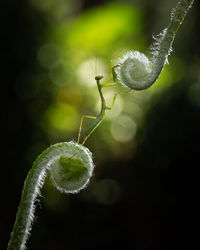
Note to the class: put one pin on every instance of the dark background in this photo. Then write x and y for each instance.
(152, 196)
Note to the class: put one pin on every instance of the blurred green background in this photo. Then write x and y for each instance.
(144, 193)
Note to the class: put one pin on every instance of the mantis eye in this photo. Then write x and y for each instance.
(99, 77)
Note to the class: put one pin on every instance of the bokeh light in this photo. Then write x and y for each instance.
(141, 189)
(123, 128)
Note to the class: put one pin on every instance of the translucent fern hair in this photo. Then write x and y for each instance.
(70, 164)
(138, 72)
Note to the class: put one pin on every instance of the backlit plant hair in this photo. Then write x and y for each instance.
(70, 164)
(135, 70)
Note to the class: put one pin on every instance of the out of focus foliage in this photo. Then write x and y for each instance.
(55, 49)
(76, 47)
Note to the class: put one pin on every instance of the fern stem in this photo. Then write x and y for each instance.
(35, 180)
(165, 44)
(135, 70)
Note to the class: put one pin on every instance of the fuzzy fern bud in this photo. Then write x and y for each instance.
(133, 70)
(70, 165)
(71, 171)
(136, 71)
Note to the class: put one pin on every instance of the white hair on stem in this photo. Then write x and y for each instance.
(70, 165)
(135, 70)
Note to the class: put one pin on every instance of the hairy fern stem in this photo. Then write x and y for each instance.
(70, 164)
(135, 70)
(71, 167)
(164, 44)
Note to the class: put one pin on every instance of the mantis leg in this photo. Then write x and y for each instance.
(105, 84)
(81, 124)
(107, 80)
(112, 73)
(93, 126)
(99, 119)
(113, 102)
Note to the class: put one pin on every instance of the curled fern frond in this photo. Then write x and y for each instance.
(71, 167)
(136, 71)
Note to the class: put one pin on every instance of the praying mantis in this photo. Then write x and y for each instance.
(69, 163)
(101, 116)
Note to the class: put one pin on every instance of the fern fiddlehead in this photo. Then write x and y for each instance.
(70, 166)
(135, 70)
